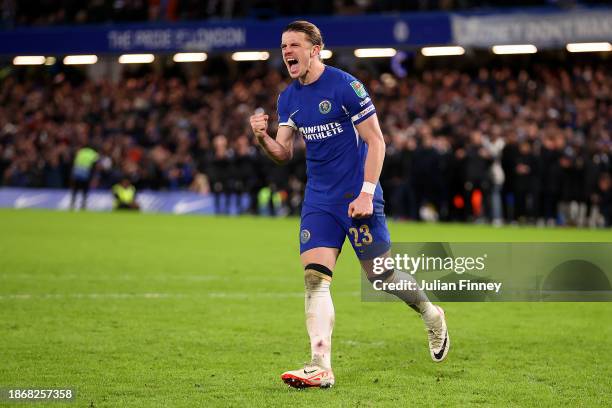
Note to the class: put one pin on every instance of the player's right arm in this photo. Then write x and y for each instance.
(279, 149)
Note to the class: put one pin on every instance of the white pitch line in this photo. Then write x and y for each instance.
(71, 277)
(45, 296)
(161, 278)
(276, 295)
(214, 295)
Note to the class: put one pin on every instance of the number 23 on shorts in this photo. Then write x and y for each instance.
(361, 235)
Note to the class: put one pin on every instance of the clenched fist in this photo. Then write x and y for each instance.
(362, 206)
(259, 124)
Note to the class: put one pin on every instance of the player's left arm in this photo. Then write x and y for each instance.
(369, 130)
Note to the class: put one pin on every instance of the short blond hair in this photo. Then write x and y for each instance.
(312, 31)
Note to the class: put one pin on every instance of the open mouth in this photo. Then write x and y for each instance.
(292, 63)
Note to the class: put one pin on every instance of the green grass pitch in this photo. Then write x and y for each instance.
(135, 310)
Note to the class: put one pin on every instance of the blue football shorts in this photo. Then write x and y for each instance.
(328, 226)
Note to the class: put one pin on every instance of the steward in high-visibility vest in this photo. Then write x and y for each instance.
(82, 172)
(125, 196)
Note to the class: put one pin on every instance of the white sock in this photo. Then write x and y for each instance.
(429, 312)
(320, 316)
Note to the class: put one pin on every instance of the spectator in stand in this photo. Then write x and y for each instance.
(494, 146)
(477, 176)
(220, 166)
(244, 176)
(426, 176)
(525, 173)
(551, 176)
(602, 198)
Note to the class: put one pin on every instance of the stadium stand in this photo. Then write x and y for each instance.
(493, 144)
(56, 12)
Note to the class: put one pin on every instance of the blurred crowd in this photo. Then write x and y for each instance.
(496, 145)
(528, 146)
(49, 12)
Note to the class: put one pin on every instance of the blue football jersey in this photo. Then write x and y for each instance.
(325, 113)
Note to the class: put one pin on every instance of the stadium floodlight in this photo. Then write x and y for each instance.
(251, 56)
(190, 57)
(29, 60)
(375, 52)
(50, 61)
(80, 59)
(514, 49)
(325, 54)
(442, 51)
(589, 47)
(136, 58)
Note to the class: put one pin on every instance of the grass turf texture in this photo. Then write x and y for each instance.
(156, 310)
